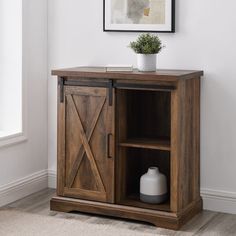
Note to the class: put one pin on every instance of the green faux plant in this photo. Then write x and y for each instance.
(147, 44)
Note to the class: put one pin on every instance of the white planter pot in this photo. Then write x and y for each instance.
(153, 187)
(146, 62)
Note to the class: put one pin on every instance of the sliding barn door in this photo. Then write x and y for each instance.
(86, 144)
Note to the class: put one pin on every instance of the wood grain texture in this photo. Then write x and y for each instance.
(87, 120)
(185, 144)
(86, 145)
(89, 132)
(176, 142)
(134, 200)
(159, 218)
(113, 127)
(100, 73)
(161, 144)
(148, 114)
(121, 134)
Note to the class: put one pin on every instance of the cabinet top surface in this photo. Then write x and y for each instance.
(100, 72)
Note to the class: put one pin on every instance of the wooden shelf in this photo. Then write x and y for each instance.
(158, 144)
(133, 200)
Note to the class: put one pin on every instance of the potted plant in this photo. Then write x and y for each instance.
(147, 46)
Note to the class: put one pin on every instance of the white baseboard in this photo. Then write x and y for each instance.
(23, 187)
(52, 179)
(221, 201)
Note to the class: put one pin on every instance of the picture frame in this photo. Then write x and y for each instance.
(139, 16)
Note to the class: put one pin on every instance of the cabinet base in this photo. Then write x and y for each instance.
(162, 219)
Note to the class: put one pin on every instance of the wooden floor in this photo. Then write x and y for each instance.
(207, 223)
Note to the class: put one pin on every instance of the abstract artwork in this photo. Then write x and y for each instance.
(139, 15)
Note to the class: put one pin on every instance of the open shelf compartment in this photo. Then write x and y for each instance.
(132, 164)
(144, 118)
(143, 141)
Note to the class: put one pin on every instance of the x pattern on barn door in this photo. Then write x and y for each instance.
(86, 120)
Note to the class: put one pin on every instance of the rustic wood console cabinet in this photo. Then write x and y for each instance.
(112, 126)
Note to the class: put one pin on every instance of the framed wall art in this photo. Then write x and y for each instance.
(139, 15)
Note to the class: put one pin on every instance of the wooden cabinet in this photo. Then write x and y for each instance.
(112, 127)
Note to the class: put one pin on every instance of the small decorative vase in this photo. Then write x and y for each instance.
(146, 62)
(153, 187)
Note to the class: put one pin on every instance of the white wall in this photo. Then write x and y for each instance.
(205, 39)
(25, 163)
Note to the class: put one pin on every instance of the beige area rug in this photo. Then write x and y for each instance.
(24, 224)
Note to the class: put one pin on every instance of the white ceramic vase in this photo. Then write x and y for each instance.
(146, 62)
(153, 187)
